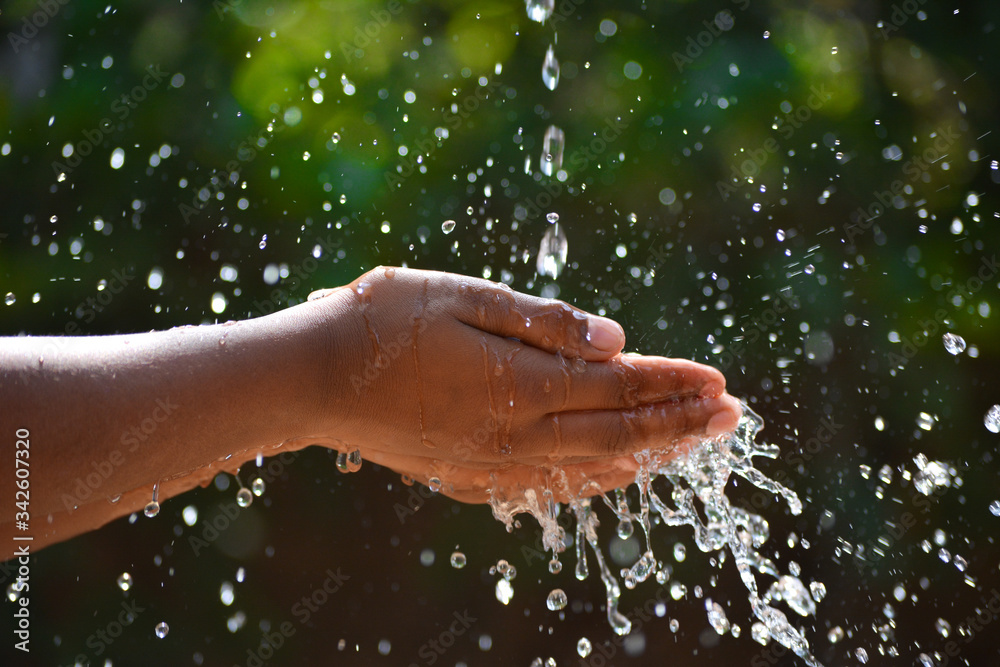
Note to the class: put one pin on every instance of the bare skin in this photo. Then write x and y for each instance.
(437, 376)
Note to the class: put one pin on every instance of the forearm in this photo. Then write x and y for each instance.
(111, 416)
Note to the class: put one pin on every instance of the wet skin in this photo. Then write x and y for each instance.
(433, 375)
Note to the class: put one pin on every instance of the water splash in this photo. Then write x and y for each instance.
(688, 488)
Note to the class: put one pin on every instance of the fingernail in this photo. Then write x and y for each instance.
(604, 334)
(721, 422)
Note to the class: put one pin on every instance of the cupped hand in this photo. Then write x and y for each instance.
(464, 382)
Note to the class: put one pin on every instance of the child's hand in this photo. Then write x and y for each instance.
(438, 375)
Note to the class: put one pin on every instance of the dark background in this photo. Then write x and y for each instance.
(696, 276)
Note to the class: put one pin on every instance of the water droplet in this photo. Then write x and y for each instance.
(504, 591)
(943, 627)
(553, 146)
(540, 10)
(925, 421)
(552, 255)
(257, 486)
(995, 508)
(992, 419)
(10, 299)
(243, 497)
(953, 343)
(263, 242)
(550, 69)
(680, 552)
(124, 581)
(162, 629)
(818, 591)
(458, 560)
(335, 138)
(354, 461)
(434, 484)
(625, 529)
(760, 634)
(557, 600)
(552, 217)
(583, 647)
(555, 566)
(152, 509)
(862, 656)
(835, 634)
(448, 226)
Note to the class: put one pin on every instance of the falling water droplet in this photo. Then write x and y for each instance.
(553, 251)
(162, 629)
(124, 581)
(263, 242)
(540, 10)
(550, 69)
(243, 497)
(557, 600)
(862, 656)
(257, 486)
(992, 419)
(335, 138)
(504, 591)
(953, 343)
(458, 560)
(434, 484)
(10, 299)
(925, 421)
(583, 647)
(995, 508)
(680, 552)
(152, 509)
(552, 217)
(555, 566)
(448, 226)
(553, 145)
(342, 462)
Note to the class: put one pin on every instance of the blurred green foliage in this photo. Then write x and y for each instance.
(376, 121)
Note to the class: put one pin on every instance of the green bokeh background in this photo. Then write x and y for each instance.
(235, 141)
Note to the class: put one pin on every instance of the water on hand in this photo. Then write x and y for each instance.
(690, 487)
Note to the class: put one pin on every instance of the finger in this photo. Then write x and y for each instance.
(605, 433)
(628, 381)
(547, 324)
